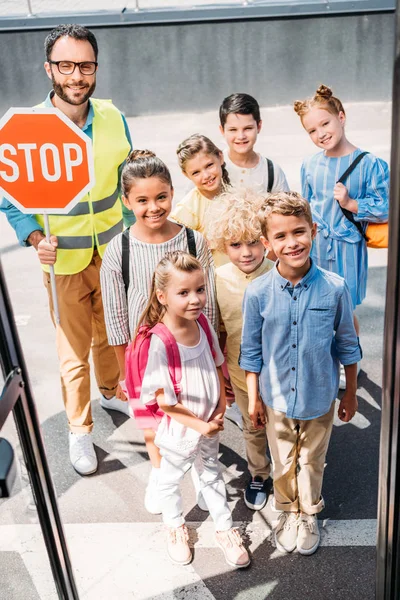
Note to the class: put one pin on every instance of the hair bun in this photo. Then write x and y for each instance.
(324, 92)
(138, 154)
(299, 106)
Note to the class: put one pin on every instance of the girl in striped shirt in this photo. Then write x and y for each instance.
(147, 191)
(339, 246)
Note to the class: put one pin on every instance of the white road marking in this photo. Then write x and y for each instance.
(117, 560)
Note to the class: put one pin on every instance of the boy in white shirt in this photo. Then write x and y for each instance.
(241, 123)
(236, 231)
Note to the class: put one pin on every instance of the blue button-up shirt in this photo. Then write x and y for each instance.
(296, 340)
(25, 224)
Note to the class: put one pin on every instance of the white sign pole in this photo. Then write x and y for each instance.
(52, 274)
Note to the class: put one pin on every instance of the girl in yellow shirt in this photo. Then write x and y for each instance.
(203, 163)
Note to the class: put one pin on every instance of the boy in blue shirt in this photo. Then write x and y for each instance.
(297, 327)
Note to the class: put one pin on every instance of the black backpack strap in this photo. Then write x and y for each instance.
(271, 175)
(347, 213)
(125, 259)
(191, 242)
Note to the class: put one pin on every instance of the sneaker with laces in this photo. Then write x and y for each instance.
(82, 453)
(178, 546)
(257, 492)
(115, 403)
(308, 537)
(233, 414)
(151, 497)
(231, 544)
(286, 531)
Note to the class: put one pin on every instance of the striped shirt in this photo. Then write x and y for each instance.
(121, 312)
(339, 246)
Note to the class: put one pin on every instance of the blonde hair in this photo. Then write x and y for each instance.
(196, 143)
(235, 219)
(143, 164)
(178, 260)
(323, 98)
(287, 204)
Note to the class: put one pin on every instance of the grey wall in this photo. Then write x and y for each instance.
(189, 67)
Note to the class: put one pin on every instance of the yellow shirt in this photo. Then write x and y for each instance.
(231, 284)
(195, 211)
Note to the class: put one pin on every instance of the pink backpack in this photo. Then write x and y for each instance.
(137, 354)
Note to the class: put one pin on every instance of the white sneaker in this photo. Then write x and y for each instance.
(342, 376)
(233, 414)
(82, 453)
(115, 403)
(151, 497)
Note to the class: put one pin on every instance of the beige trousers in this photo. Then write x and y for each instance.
(298, 449)
(82, 328)
(255, 439)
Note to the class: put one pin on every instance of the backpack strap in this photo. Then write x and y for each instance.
(271, 175)
(347, 213)
(191, 242)
(173, 356)
(202, 320)
(125, 259)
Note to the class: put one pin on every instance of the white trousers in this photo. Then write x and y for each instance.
(212, 486)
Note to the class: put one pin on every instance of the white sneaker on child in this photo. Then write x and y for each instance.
(286, 531)
(233, 414)
(178, 545)
(151, 497)
(308, 537)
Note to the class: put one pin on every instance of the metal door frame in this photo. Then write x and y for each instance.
(17, 397)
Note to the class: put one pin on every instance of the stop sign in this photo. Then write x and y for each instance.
(46, 161)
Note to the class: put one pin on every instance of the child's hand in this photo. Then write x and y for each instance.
(214, 427)
(257, 414)
(340, 194)
(348, 407)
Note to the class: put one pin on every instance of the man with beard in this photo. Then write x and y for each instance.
(79, 239)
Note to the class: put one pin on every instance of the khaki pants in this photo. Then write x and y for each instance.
(82, 327)
(298, 449)
(255, 439)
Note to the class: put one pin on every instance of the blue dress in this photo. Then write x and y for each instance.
(338, 246)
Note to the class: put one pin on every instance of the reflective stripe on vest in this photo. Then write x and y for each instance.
(82, 208)
(97, 218)
(82, 242)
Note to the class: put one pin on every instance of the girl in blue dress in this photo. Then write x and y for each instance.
(339, 246)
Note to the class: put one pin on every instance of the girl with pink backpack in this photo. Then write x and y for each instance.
(127, 269)
(194, 411)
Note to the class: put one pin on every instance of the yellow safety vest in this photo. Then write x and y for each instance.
(97, 217)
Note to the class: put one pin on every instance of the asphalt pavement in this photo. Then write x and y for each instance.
(117, 548)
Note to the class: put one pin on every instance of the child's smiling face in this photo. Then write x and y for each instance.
(205, 170)
(325, 129)
(240, 132)
(246, 256)
(150, 200)
(290, 238)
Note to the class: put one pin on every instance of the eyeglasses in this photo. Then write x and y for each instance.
(67, 67)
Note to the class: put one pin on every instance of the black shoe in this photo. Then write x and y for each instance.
(256, 493)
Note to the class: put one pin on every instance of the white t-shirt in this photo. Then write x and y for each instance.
(255, 178)
(199, 385)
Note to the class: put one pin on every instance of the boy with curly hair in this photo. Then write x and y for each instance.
(236, 231)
